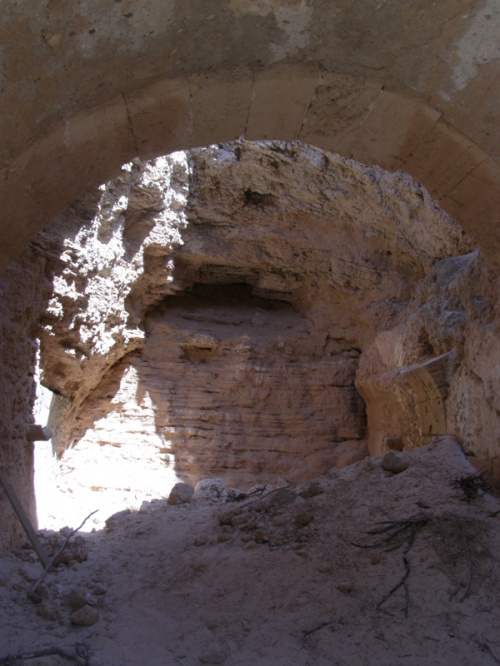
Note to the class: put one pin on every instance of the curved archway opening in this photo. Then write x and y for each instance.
(355, 117)
(278, 263)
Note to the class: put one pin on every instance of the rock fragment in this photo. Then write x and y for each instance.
(211, 489)
(393, 462)
(77, 597)
(368, 465)
(303, 519)
(181, 493)
(49, 610)
(116, 517)
(85, 616)
(313, 489)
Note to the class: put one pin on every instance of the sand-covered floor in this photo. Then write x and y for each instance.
(299, 575)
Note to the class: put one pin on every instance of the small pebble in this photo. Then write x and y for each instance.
(77, 597)
(85, 616)
(368, 465)
(260, 536)
(345, 586)
(393, 462)
(303, 519)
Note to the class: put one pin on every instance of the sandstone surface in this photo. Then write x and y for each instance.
(434, 373)
(206, 312)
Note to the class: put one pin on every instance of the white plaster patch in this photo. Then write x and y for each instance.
(480, 44)
(119, 19)
(293, 21)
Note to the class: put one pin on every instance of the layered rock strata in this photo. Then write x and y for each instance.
(209, 309)
(436, 373)
(235, 386)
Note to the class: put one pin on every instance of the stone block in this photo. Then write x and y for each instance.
(442, 158)
(160, 117)
(220, 104)
(280, 101)
(340, 106)
(80, 154)
(392, 129)
(475, 204)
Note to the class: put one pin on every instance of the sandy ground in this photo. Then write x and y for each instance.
(296, 576)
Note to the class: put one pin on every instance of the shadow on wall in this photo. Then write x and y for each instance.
(231, 385)
(25, 290)
(270, 225)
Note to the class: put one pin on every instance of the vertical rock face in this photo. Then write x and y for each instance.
(435, 373)
(24, 290)
(240, 387)
(207, 311)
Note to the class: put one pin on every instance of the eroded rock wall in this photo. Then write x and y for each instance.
(24, 292)
(437, 372)
(333, 249)
(235, 386)
(209, 310)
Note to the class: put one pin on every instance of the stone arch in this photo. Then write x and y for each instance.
(356, 117)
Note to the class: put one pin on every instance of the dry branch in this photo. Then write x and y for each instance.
(402, 582)
(393, 529)
(47, 652)
(58, 552)
(469, 564)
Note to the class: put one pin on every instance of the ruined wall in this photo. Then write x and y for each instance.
(211, 309)
(436, 372)
(24, 291)
(407, 85)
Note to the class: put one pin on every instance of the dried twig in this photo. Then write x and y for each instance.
(486, 648)
(469, 564)
(13, 658)
(473, 485)
(394, 528)
(402, 582)
(306, 634)
(58, 552)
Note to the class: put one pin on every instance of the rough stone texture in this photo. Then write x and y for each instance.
(24, 293)
(290, 260)
(181, 493)
(208, 316)
(85, 91)
(435, 373)
(233, 385)
(100, 255)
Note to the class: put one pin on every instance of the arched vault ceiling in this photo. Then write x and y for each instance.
(410, 85)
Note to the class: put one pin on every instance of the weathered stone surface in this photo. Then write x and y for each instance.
(434, 374)
(210, 489)
(393, 462)
(279, 273)
(266, 267)
(85, 616)
(181, 493)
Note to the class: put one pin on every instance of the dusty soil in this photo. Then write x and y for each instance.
(300, 575)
